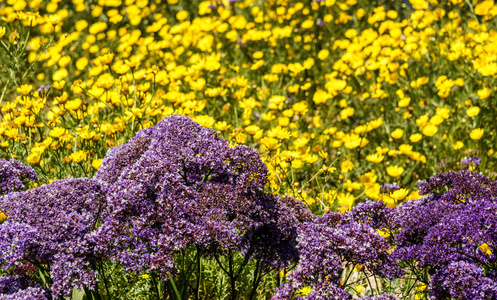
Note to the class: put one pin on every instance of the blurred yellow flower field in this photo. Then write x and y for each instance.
(338, 96)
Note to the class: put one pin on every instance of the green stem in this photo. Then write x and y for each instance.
(175, 289)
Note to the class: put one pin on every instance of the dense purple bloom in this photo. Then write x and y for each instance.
(464, 281)
(327, 246)
(178, 184)
(30, 293)
(373, 213)
(11, 284)
(445, 230)
(14, 175)
(17, 288)
(54, 225)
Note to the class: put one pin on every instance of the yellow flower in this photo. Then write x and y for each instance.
(320, 96)
(258, 54)
(347, 166)
(413, 195)
(484, 93)
(96, 163)
(25, 89)
(415, 137)
(385, 233)
(13, 36)
(351, 141)
(399, 194)
(375, 157)
(106, 59)
(2, 31)
(484, 7)
(430, 130)
(404, 102)
(345, 201)
(346, 112)
(53, 19)
(485, 248)
(359, 289)
(145, 276)
(405, 149)
(307, 24)
(3, 217)
(222, 125)
(473, 111)
(323, 54)
(476, 134)
(458, 145)
(57, 132)
(34, 158)
(74, 104)
(78, 156)
(181, 15)
(397, 133)
(269, 143)
(395, 171)
(304, 291)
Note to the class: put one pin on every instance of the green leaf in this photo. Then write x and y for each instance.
(78, 294)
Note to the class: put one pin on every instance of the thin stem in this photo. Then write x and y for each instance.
(199, 274)
(105, 282)
(257, 279)
(156, 287)
(175, 289)
(231, 275)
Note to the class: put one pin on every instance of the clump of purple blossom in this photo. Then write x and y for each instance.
(380, 297)
(389, 187)
(53, 226)
(332, 244)
(14, 287)
(14, 175)
(462, 280)
(450, 232)
(178, 184)
(470, 161)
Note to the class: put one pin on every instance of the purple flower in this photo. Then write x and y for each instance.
(464, 281)
(54, 225)
(178, 185)
(380, 297)
(30, 293)
(43, 90)
(389, 187)
(14, 175)
(475, 161)
(445, 230)
(327, 246)
(14, 287)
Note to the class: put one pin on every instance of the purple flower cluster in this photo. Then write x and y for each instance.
(178, 184)
(389, 187)
(18, 288)
(330, 244)
(14, 175)
(467, 161)
(451, 233)
(53, 226)
(380, 297)
(462, 280)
